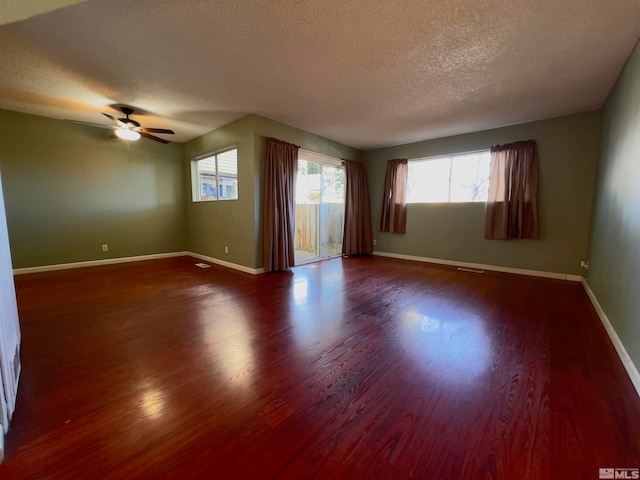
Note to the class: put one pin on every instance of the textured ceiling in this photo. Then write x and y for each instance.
(364, 73)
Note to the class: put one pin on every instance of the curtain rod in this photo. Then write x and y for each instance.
(470, 152)
(282, 141)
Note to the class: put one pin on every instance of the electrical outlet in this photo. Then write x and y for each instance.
(226, 249)
(584, 264)
(105, 247)
(374, 241)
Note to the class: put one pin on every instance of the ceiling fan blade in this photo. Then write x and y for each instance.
(153, 137)
(156, 130)
(115, 120)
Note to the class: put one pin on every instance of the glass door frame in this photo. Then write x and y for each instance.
(322, 161)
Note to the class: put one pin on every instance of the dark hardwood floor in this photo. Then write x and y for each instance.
(345, 369)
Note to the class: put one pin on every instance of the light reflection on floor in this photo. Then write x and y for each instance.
(153, 403)
(455, 348)
(300, 290)
(317, 310)
(449, 344)
(229, 341)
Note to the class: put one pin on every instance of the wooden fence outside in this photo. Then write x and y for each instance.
(307, 224)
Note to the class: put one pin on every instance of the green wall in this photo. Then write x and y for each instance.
(69, 189)
(568, 149)
(614, 274)
(238, 223)
(214, 225)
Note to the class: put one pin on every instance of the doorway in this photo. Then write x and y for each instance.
(320, 193)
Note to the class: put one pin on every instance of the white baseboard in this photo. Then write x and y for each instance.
(1, 445)
(93, 263)
(256, 271)
(481, 266)
(111, 261)
(235, 266)
(630, 367)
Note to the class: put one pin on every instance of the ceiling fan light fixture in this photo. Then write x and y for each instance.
(126, 134)
(131, 130)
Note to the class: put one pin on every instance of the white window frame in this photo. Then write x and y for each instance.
(451, 158)
(195, 177)
(319, 158)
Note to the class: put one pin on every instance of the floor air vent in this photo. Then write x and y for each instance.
(203, 265)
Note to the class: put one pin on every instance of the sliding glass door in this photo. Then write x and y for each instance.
(320, 192)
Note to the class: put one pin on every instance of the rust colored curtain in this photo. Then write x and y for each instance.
(357, 239)
(393, 215)
(281, 167)
(512, 206)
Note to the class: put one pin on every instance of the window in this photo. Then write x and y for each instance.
(215, 176)
(456, 178)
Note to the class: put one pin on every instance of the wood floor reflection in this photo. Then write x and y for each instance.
(355, 368)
